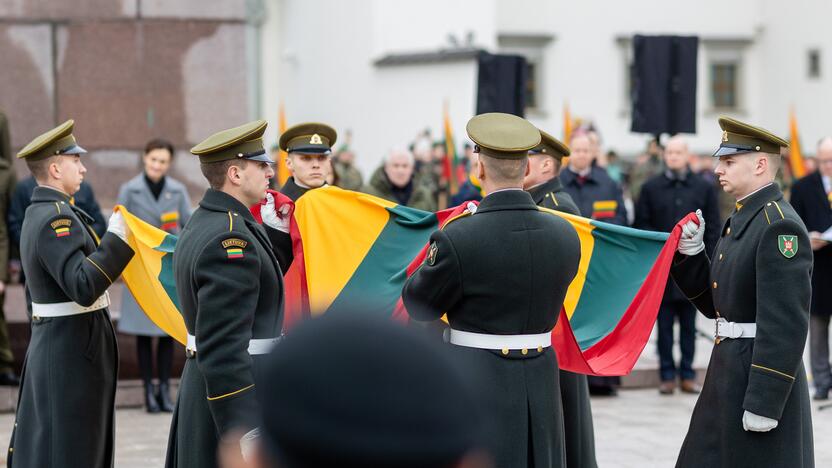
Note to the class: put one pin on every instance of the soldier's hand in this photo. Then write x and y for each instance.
(693, 236)
(118, 226)
(756, 423)
(274, 217)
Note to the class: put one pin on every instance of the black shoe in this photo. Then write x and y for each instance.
(821, 394)
(9, 379)
(163, 397)
(150, 403)
(603, 390)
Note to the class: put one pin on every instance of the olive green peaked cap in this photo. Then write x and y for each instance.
(503, 136)
(308, 138)
(551, 146)
(740, 137)
(243, 142)
(59, 140)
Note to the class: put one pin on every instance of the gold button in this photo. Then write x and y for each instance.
(36, 318)
(505, 351)
(728, 231)
(11, 450)
(540, 349)
(720, 256)
(714, 284)
(524, 351)
(768, 204)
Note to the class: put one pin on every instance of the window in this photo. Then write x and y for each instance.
(724, 82)
(725, 77)
(814, 63)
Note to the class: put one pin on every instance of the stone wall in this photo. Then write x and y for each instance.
(126, 71)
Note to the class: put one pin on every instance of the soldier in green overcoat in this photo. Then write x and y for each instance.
(754, 407)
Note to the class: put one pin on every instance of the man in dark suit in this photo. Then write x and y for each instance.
(544, 186)
(501, 274)
(812, 200)
(664, 200)
(754, 407)
(595, 193)
(230, 289)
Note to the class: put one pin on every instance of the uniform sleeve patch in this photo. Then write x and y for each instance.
(234, 247)
(787, 244)
(61, 227)
(431, 257)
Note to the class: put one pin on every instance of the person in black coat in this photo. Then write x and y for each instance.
(501, 275)
(664, 200)
(811, 198)
(754, 408)
(66, 408)
(595, 193)
(543, 185)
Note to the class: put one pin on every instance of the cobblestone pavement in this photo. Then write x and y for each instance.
(639, 428)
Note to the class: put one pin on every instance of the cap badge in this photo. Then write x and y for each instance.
(725, 136)
(316, 140)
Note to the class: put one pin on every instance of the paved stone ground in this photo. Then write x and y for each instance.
(639, 428)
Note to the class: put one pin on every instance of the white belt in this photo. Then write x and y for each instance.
(500, 342)
(62, 309)
(726, 329)
(255, 346)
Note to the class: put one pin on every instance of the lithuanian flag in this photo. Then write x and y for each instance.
(354, 252)
(149, 275)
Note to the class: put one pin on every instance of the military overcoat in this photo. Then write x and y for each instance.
(760, 274)
(505, 270)
(574, 389)
(230, 291)
(67, 396)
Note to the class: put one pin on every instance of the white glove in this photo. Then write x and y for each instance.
(756, 423)
(118, 226)
(273, 218)
(248, 443)
(692, 240)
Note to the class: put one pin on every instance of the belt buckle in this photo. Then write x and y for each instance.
(717, 338)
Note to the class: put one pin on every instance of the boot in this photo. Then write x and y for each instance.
(163, 397)
(150, 403)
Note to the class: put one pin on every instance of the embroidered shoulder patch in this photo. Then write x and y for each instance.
(61, 227)
(234, 247)
(431, 257)
(234, 242)
(787, 245)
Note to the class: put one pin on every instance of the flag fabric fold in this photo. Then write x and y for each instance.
(353, 253)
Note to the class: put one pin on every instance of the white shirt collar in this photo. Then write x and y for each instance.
(752, 193)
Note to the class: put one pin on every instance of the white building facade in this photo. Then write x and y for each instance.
(383, 69)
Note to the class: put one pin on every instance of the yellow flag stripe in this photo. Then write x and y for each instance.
(142, 277)
(584, 229)
(332, 263)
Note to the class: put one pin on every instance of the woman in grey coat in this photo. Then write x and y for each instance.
(163, 202)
